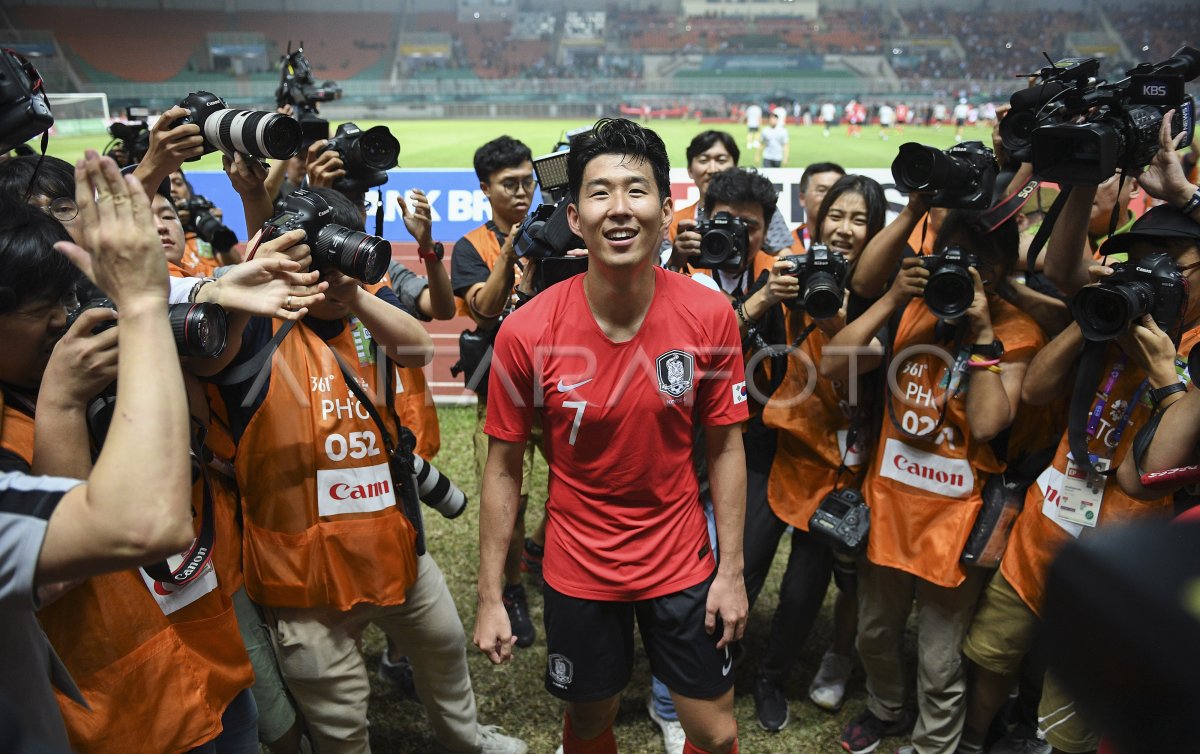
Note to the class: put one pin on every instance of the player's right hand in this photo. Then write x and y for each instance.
(493, 632)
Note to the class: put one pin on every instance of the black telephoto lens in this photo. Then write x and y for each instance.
(822, 296)
(1105, 311)
(354, 253)
(949, 292)
(200, 329)
(209, 228)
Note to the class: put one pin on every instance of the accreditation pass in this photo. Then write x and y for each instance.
(1082, 492)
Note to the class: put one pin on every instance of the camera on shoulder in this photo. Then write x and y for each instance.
(724, 241)
(843, 520)
(822, 275)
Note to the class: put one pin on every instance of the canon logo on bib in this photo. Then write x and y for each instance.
(361, 490)
(951, 477)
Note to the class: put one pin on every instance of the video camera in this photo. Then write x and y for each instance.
(256, 133)
(351, 252)
(366, 156)
(1152, 285)
(297, 88)
(962, 177)
(1120, 120)
(950, 288)
(724, 243)
(822, 275)
(545, 234)
(24, 107)
(211, 230)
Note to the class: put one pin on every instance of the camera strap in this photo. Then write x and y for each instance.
(1081, 413)
(993, 218)
(200, 553)
(1043, 232)
(960, 335)
(399, 451)
(256, 365)
(379, 213)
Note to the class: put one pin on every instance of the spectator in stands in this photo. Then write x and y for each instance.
(484, 270)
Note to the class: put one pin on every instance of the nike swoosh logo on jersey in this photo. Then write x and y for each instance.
(568, 388)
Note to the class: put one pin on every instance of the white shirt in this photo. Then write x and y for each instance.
(754, 116)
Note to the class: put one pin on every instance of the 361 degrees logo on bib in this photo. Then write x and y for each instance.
(676, 370)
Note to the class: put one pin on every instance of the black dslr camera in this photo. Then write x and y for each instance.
(132, 139)
(950, 288)
(724, 242)
(361, 256)
(200, 329)
(24, 108)
(1153, 285)
(545, 235)
(822, 275)
(297, 88)
(962, 177)
(843, 520)
(1120, 120)
(256, 133)
(366, 155)
(207, 226)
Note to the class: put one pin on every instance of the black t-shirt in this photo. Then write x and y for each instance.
(467, 266)
(239, 404)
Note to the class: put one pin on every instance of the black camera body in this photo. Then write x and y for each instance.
(366, 156)
(1120, 124)
(843, 520)
(24, 110)
(546, 236)
(822, 275)
(361, 256)
(256, 133)
(200, 330)
(961, 177)
(134, 138)
(1152, 285)
(724, 243)
(950, 288)
(206, 225)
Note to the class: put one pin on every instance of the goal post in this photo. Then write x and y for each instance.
(77, 113)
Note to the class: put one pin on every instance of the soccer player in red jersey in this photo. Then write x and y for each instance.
(626, 365)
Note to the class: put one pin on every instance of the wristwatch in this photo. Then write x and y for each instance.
(993, 350)
(437, 252)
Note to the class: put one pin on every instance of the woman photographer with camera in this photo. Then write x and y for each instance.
(813, 425)
(954, 384)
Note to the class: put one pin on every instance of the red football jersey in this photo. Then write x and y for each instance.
(623, 516)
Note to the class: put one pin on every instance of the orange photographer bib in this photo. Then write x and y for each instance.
(813, 416)
(414, 406)
(924, 491)
(157, 664)
(1043, 526)
(321, 522)
(485, 242)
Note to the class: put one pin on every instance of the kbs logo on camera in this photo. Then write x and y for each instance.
(362, 490)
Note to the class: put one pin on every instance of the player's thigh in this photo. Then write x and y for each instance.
(682, 653)
(589, 646)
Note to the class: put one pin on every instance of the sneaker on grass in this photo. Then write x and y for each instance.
(517, 606)
(864, 733)
(828, 688)
(672, 731)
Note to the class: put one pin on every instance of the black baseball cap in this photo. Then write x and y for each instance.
(164, 187)
(1160, 223)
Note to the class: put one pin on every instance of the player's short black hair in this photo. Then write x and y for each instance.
(55, 178)
(872, 194)
(30, 269)
(705, 140)
(819, 167)
(620, 136)
(742, 186)
(498, 154)
(345, 211)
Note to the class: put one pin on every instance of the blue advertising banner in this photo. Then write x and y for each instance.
(457, 203)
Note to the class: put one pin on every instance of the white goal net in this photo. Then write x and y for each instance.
(79, 113)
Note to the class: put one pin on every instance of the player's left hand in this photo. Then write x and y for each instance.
(727, 599)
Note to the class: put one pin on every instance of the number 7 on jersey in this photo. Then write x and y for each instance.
(579, 406)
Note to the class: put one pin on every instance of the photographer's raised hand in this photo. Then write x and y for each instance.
(248, 177)
(685, 246)
(121, 251)
(1164, 178)
(290, 245)
(270, 286)
(324, 167)
(1151, 349)
(169, 147)
(418, 219)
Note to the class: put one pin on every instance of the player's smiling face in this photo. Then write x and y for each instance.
(619, 213)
